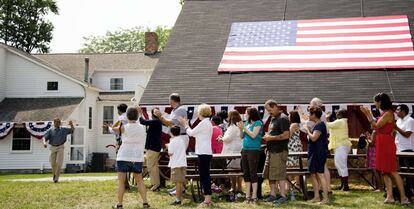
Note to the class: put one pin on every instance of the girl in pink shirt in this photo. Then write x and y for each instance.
(216, 145)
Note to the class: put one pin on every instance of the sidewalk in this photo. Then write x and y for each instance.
(63, 179)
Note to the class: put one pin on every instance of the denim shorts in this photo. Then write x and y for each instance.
(125, 166)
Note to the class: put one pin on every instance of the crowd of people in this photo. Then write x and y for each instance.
(227, 133)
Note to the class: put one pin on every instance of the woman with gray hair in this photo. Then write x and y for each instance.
(316, 102)
(339, 142)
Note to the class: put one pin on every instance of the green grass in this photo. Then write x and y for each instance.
(102, 194)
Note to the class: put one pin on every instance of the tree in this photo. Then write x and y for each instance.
(124, 40)
(22, 24)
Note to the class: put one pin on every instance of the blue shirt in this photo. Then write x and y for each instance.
(248, 142)
(57, 136)
(320, 146)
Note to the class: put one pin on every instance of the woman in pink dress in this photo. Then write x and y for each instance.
(386, 157)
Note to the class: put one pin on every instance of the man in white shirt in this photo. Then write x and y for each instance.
(404, 139)
(405, 128)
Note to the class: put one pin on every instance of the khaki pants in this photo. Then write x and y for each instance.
(152, 166)
(56, 159)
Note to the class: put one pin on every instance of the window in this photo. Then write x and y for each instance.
(90, 118)
(21, 140)
(108, 117)
(117, 83)
(52, 86)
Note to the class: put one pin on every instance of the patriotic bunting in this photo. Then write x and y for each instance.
(39, 129)
(265, 116)
(5, 129)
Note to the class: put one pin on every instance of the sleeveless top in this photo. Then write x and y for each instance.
(133, 143)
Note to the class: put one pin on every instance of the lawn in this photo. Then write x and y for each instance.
(101, 194)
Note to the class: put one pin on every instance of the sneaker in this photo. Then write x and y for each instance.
(176, 203)
(146, 205)
(117, 206)
(171, 190)
(271, 198)
(281, 200)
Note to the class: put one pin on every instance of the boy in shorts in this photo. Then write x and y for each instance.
(178, 162)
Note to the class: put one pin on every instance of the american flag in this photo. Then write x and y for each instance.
(325, 44)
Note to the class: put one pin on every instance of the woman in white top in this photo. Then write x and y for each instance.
(130, 155)
(203, 133)
(233, 145)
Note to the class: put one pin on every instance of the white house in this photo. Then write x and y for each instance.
(85, 88)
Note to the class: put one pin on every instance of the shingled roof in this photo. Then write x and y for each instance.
(196, 45)
(74, 63)
(37, 109)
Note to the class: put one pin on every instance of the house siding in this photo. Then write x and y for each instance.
(35, 159)
(131, 79)
(26, 79)
(106, 139)
(3, 59)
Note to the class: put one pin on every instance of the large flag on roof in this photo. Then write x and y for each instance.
(325, 44)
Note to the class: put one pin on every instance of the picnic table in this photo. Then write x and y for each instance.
(301, 171)
(224, 172)
(409, 170)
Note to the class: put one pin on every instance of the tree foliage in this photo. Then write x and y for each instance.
(124, 40)
(22, 24)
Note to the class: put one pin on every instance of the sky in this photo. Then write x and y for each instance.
(83, 18)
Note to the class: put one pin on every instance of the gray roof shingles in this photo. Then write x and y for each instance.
(116, 96)
(189, 63)
(37, 109)
(74, 63)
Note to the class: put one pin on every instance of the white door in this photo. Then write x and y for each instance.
(76, 149)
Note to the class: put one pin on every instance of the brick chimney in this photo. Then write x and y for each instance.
(151, 43)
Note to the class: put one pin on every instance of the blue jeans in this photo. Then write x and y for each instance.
(125, 166)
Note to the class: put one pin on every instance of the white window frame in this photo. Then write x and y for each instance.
(21, 151)
(69, 145)
(47, 90)
(115, 84)
(103, 119)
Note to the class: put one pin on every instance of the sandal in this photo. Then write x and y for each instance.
(205, 205)
(145, 205)
(386, 201)
(248, 200)
(324, 202)
(405, 202)
(314, 200)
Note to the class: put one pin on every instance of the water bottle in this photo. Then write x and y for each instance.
(292, 195)
(232, 197)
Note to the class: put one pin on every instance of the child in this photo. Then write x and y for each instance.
(130, 156)
(371, 161)
(178, 162)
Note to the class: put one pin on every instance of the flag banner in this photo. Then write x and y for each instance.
(325, 44)
(38, 129)
(5, 129)
(192, 115)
